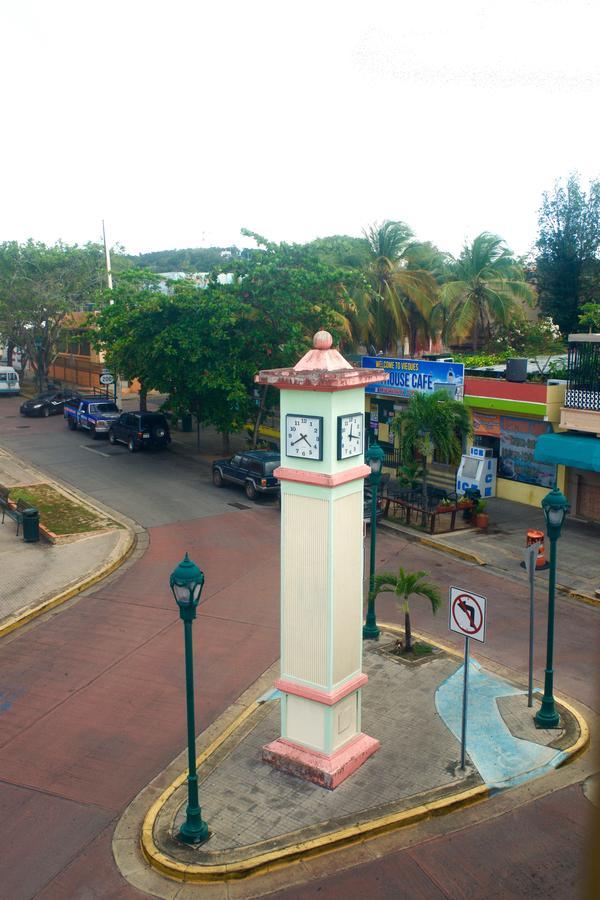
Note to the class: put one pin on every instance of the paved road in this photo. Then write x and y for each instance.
(152, 488)
(92, 708)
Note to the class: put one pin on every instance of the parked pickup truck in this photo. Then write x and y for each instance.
(92, 413)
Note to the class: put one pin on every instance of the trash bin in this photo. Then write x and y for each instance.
(186, 422)
(31, 525)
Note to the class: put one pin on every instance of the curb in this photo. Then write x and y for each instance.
(12, 623)
(31, 614)
(578, 595)
(453, 551)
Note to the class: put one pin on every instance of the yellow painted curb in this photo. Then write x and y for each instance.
(578, 595)
(453, 551)
(53, 602)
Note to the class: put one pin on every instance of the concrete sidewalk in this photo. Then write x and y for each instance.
(37, 576)
(502, 546)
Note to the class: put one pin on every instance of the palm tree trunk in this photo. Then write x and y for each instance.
(226, 448)
(425, 499)
(408, 645)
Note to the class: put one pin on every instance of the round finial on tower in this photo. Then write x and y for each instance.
(322, 340)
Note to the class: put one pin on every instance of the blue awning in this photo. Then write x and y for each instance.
(576, 450)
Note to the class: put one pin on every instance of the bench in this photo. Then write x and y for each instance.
(16, 514)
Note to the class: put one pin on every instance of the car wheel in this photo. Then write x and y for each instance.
(72, 425)
(46, 412)
(111, 437)
(217, 478)
(131, 445)
(251, 492)
(93, 434)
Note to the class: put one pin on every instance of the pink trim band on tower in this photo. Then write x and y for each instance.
(329, 698)
(318, 478)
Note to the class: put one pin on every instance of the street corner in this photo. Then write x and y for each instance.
(77, 545)
(260, 817)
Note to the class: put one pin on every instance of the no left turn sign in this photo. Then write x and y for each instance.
(467, 614)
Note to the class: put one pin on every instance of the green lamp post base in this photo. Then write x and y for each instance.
(371, 633)
(194, 830)
(547, 716)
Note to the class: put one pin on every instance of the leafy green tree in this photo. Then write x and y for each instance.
(567, 265)
(589, 316)
(402, 296)
(431, 423)
(405, 585)
(39, 286)
(485, 286)
(129, 326)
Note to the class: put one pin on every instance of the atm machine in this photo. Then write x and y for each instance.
(477, 470)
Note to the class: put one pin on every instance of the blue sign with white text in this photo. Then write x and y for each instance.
(411, 376)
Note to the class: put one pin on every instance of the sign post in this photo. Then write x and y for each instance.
(530, 558)
(467, 615)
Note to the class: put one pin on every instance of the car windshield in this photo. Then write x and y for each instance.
(104, 408)
(271, 466)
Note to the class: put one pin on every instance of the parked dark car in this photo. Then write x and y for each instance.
(140, 430)
(51, 403)
(252, 470)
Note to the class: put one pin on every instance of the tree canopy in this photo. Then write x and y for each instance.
(39, 286)
(568, 251)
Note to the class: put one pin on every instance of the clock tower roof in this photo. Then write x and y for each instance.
(321, 369)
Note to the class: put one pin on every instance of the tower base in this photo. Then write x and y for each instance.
(327, 771)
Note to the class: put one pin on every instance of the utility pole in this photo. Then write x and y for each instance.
(107, 258)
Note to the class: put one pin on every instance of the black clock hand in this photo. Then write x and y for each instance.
(307, 441)
(302, 437)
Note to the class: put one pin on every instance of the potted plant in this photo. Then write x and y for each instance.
(444, 505)
(481, 517)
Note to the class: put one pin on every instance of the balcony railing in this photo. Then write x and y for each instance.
(583, 386)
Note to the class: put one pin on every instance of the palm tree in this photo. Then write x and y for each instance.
(431, 423)
(401, 295)
(404, 585)
(485, 285)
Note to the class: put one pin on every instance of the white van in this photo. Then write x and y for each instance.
(9, 381)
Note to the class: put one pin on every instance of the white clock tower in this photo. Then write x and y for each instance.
(322, 475)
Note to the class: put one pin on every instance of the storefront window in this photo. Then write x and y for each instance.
(518, 438)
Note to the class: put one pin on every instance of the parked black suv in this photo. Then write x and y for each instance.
(140, 429)
(252, 469)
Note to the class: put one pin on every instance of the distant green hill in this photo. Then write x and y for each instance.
(192, 259)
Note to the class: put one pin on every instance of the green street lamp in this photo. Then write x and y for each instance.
(186, 583)
(555, 506)
(374, 457)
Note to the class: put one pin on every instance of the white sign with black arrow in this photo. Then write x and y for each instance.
(466, 616)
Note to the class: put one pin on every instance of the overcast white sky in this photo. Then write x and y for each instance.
(180, 122)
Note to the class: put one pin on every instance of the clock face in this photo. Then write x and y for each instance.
(304, 436)
(350, 435)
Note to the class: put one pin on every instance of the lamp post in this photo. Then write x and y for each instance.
(555, 506)
(186, 583)
(374, 457)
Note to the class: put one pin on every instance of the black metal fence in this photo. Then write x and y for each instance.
(583, 387)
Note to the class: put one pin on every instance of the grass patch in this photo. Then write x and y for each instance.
(419, 650)
(59, 513)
